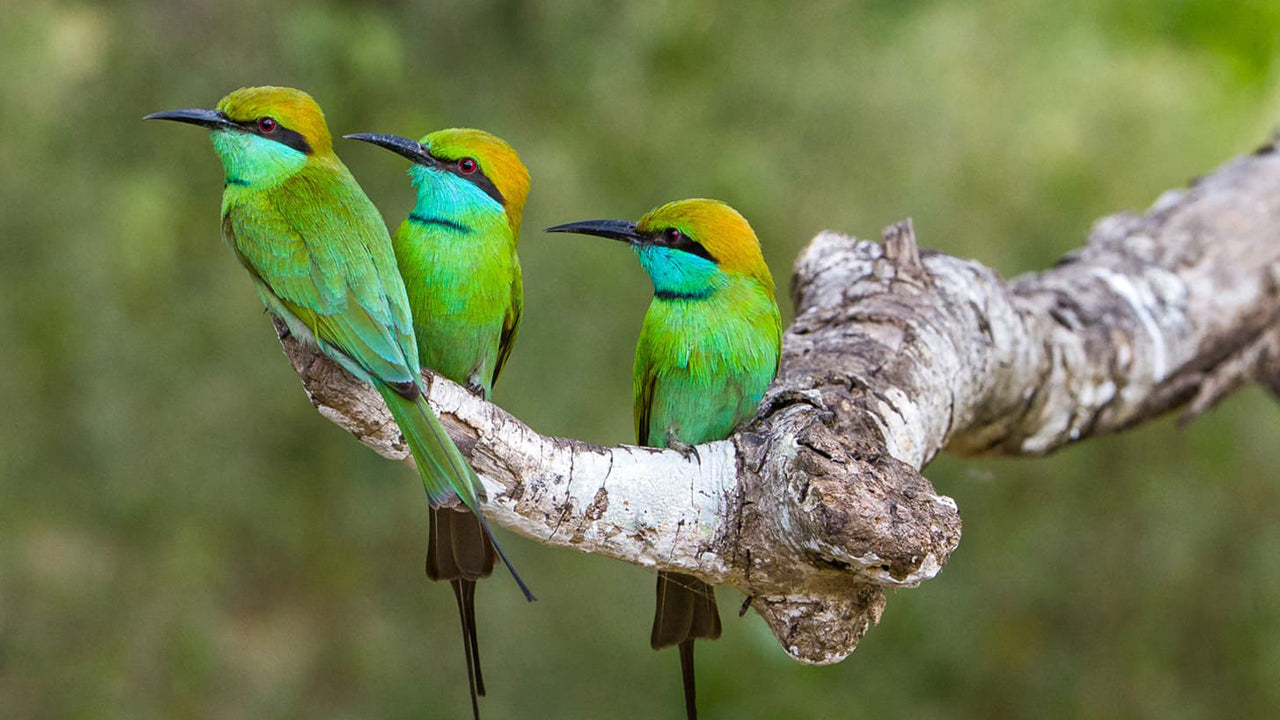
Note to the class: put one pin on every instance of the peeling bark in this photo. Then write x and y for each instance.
(895, 354)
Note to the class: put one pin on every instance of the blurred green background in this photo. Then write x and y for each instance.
(182, 536)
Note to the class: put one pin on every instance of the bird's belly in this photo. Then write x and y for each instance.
(703, 409)
(458, 347)
(459, 304)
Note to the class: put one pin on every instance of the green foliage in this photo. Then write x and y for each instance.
(181, 535)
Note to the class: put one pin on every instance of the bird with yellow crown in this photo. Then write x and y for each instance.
(323, 262)
(457, 255)
(708, 349)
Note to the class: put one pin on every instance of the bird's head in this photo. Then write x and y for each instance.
(458, 169)
(262, 134)
(690, 248)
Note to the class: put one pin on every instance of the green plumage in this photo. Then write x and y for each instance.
(457, 255)
(701, 368)
(467, 295)
(322, 260)
(702, 365)
(708, 349)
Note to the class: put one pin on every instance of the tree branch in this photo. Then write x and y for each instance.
(895, 354)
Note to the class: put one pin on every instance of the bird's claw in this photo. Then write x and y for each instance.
(684, 448)
(282, 327)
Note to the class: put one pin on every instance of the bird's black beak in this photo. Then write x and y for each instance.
(612, 229)
(212, 119)
(411, 149)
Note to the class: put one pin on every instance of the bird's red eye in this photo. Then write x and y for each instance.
(267, 124)
(467, 165)
(673, 235)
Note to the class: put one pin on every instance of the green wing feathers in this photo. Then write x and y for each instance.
(701, 368)
(642, 391)
(327, 264)
(510, 324)
(319, 252)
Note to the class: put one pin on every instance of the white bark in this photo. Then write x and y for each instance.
(818, 505)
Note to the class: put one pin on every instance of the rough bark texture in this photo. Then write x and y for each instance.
(819, 505)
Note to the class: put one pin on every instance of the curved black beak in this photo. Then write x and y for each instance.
(212, 119)
(612, 229)
(411, 149)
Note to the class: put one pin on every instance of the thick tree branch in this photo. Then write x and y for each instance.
(894, 355)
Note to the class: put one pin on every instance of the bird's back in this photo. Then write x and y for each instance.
(319, 246)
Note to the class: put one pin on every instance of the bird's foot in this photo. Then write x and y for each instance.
(684, 448)
(282, 327)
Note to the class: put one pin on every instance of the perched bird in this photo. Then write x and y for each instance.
(709, 347)
(322, 261)
(457, 255)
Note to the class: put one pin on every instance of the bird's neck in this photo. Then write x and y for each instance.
(452, 203)
(256, 162)
(678, 275)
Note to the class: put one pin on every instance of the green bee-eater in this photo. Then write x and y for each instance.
(457, 255)
(322, 260)
(709, 347)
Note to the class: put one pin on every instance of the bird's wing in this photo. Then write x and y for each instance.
(644, 386)
(510, 324)
(326, 263)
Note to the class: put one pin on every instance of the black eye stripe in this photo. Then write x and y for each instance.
(280, 134)
(683, 243)
(477, 177)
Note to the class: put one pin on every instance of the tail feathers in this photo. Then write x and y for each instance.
(686, 675)
(445, 473)
(685, 611)
(460, 551)
(464, 592)
(461, 547)
(528, 594)
(468, 588)
(458, 547)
